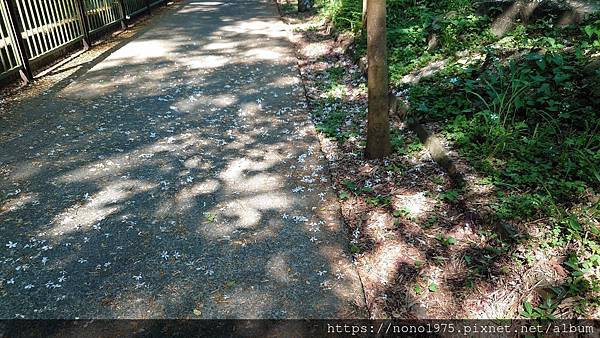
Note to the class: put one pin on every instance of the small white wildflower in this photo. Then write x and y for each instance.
(326, 285)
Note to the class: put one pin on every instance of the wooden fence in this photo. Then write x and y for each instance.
(31, 30)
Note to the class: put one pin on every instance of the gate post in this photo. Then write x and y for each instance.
(25, 71)
(124, 23)
(87, 42)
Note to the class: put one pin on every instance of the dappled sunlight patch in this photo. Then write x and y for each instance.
(240, 140)
(285, 81)
(315, 50)
(272, 28)
(138, 304)
(379, 270)
(377, 226)
(222, 46)
(201, 6)
(328, 221)
(533, 284)
(235, 174)
(224, 100)
(146, 156)
(261, 54)
(101, 82)
(344, 275)
(427, 71)
(201, 188)
(19, 201)
(416, 204)
(206, 62)
(278, 268)
(198, 162)
(387, 251)
(249, 109)
(25, 170)
(153, 49)
(247, 212)
(166, 206)
(186, 197)
(245, 302)
(506, 21)
(97, 207)
(256, 183)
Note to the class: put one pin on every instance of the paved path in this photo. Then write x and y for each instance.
(177, 177)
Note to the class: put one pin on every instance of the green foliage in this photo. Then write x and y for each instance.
(544, 311)
(430, 221)
(592, 32)
(287, 7)
(209, 217)
(401, 213)
(355, 249)
(379, 200)
(331, 117)
(344, 195)
(446, 241)
(345, 14)
(450, 195)
(521, 108)
(350, 185)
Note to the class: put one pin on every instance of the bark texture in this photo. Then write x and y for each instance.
(378, 126)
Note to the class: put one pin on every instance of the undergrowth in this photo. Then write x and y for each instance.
(523, 108)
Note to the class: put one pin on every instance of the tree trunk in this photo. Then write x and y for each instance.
(305, 5)
(364, 14)
(378, 125)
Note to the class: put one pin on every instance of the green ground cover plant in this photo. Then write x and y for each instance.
(523, 109)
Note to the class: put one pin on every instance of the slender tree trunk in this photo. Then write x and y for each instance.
(378, 125)
(305, 5)
(364, 14)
